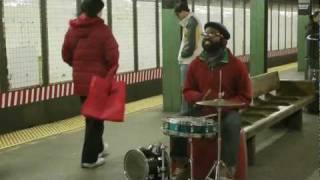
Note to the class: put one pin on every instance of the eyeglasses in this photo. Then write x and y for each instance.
(211, 34)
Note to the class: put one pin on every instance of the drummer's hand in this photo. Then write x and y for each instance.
(206, 95)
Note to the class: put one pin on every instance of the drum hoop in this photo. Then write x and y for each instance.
(146, 163)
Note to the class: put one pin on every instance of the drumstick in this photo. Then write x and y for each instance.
(204, 97)
(206, 94)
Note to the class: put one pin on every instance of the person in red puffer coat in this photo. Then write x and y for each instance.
(90, 49)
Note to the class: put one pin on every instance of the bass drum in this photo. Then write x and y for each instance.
(146, 163)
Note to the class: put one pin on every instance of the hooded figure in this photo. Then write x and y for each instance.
(90, 49)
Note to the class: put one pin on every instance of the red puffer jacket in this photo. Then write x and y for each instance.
(90, 48)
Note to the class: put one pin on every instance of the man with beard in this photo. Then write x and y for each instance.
(203, 81)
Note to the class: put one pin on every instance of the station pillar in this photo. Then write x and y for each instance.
(258, 37)
(170, 48)
(304, 10)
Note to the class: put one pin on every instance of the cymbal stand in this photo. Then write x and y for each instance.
(218, 163)
(163, 168)
(191, 154)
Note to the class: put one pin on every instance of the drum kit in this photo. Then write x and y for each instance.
(153, 163)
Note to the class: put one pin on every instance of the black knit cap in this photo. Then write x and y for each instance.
(220, 27)
(92, 7)
(181, 5)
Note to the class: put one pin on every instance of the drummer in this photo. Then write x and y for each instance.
(202, 83)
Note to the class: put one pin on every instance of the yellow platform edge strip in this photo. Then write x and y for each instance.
(283, 67)
(76, 123)
(38, 132)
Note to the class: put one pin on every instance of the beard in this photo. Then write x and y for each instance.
(210, 46)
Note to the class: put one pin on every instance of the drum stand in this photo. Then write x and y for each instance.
(163, 168)
(219, 163)
(191, 157)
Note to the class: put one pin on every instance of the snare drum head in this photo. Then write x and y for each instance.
(142, 163)
(135, 165)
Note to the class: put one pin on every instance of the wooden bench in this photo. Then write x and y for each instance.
(274, 101)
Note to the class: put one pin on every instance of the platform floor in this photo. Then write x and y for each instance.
(282, 154)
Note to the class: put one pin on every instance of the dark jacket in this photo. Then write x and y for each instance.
(90, 48)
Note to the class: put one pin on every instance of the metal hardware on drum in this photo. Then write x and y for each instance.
(150, 163)
(196, 127)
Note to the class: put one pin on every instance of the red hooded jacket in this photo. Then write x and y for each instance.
(90, 48)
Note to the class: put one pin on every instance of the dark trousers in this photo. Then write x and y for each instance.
(93, 142)
(230, 131)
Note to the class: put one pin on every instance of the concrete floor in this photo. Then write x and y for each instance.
(282, 154)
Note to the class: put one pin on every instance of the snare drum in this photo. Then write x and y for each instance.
(196, 127)
(146, 164)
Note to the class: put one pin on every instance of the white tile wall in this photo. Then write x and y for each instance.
(146, 35)
(289, 20)
(228, 22)
(22, 28)
(160, 31)
(248, 28)
(295, 28)
(269, 27)
(122, 27)
(215, 11)
(282, 28)
(239, 31)
(201, 13)
(59, 14)
(23, 38)
(104, 15)
(275, 36)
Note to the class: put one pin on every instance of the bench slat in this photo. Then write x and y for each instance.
(265, 83)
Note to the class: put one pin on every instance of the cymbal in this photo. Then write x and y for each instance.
(219, 103)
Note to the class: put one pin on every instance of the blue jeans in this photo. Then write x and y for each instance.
(230, 131)
(185, 107)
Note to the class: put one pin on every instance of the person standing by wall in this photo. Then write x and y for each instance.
(91, 50)
(190, 46)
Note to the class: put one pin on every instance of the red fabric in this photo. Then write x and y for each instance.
(106, 99)
(91, 49)
(205, 155)
(236, 84)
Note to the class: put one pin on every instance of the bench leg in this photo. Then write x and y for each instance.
(251, 150)
(295, 121)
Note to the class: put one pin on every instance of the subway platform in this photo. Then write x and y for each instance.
(281, 154)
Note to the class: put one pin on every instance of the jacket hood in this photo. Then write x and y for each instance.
(83, 21)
